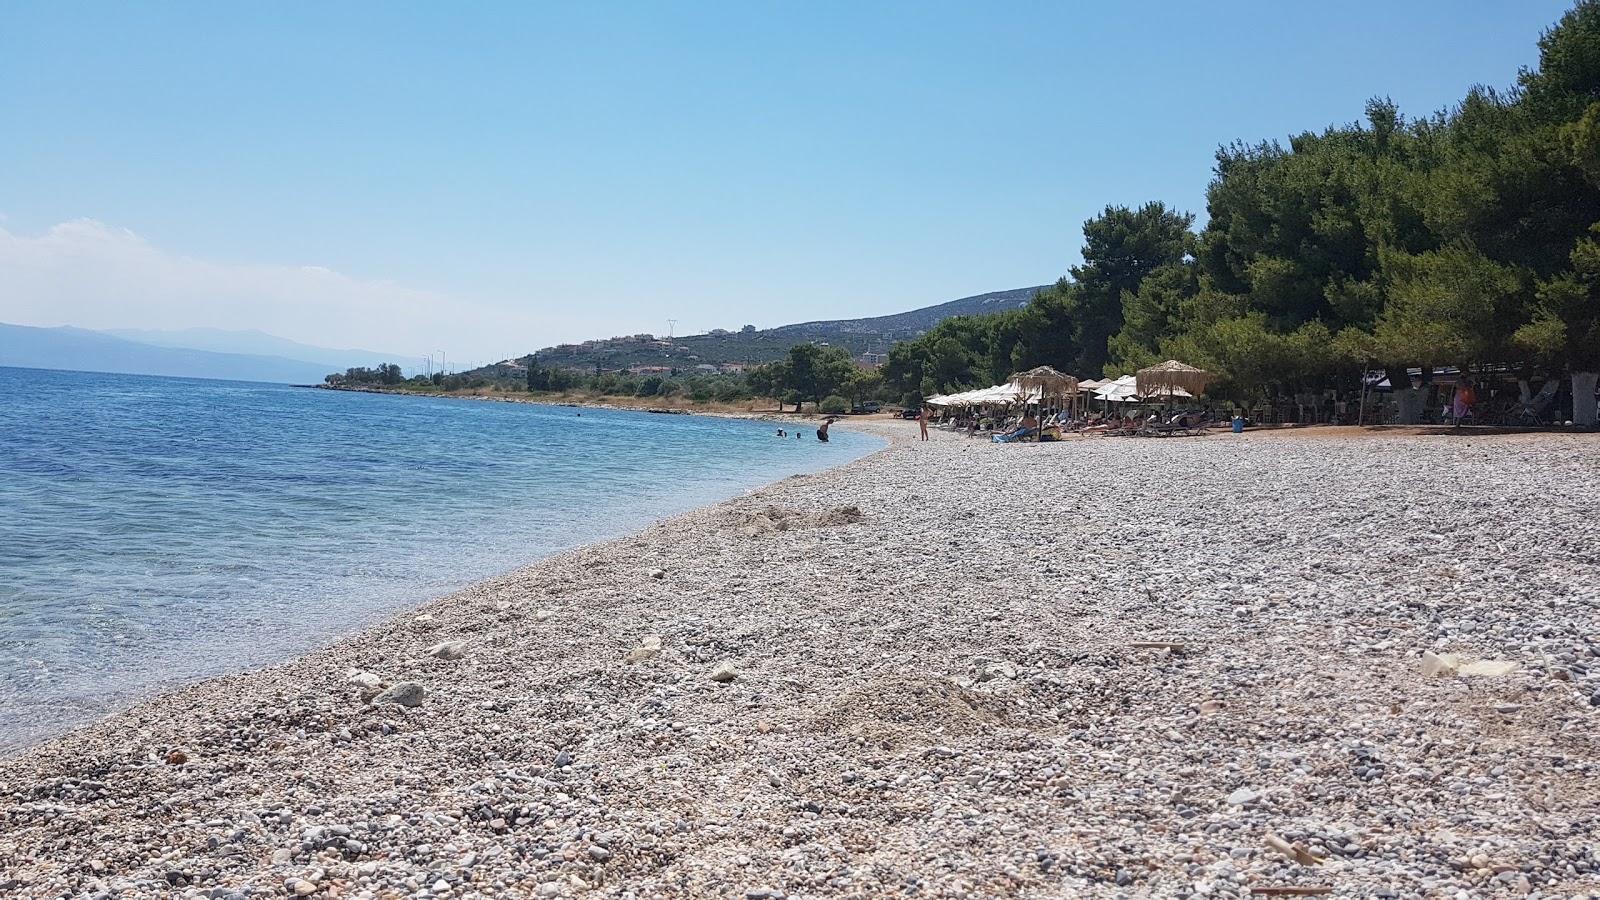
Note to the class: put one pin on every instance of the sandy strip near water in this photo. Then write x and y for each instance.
(942, 686)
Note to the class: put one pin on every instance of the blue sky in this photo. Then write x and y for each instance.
(491, 178)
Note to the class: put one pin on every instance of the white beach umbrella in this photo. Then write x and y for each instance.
(1004, 393)
(1124, 388)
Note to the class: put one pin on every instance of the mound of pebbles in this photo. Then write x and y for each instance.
(1103, 668)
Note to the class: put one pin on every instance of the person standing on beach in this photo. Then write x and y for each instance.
(1465, 398)
(922, 420)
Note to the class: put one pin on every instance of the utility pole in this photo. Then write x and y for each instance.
(441, 362)
(429, 359)
(671, 324)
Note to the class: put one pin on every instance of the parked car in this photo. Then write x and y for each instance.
(909, 412)
(867, 408)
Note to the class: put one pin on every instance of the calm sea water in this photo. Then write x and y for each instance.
(159, 530)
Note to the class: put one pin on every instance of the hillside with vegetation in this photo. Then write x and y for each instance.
(752, 346)
(826, 377)
(901, 326)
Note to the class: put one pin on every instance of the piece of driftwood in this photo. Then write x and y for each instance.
(1291, 890)
(1296, 852)
(1157, 645)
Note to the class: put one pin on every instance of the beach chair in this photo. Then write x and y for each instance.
(1103, 431)
(1537, 410)
(1163, 429)
(1185, 427)
(1020, 434)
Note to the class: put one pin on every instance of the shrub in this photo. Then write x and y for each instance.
(732, 391)
(833, 404)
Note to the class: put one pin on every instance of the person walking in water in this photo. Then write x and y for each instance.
(922, 420)
(822, 430)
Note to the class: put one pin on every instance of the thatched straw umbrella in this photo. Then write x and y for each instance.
(1161, 379)
(1051, 384)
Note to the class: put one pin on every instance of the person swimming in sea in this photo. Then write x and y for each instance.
(781, 433)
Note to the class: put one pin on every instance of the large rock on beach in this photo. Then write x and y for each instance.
(406, 693)
(649, 648)
(448, 650)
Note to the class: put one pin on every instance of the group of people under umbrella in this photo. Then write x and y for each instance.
(1045, 394)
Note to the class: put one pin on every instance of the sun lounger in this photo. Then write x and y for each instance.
(1168, 429)
(1105, 431)
(1017, 435)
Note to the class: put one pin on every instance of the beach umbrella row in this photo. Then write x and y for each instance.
(1165, 381)
(1000, 394)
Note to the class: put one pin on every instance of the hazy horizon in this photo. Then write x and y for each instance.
(492, 180)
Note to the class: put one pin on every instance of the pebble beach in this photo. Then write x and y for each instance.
(1221, 666)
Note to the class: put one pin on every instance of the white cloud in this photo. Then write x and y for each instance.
(91, 275)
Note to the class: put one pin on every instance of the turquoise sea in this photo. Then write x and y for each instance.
(158, 530)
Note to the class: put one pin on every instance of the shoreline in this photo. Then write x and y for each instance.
(122, 696)
(588, 403)
(935, 676)
(1318, 429)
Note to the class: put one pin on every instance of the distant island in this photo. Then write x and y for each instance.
(190, 353)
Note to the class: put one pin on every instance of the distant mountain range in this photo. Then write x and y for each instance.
(257, 356)
(256, 343)
(859, 336)
(82, 350)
